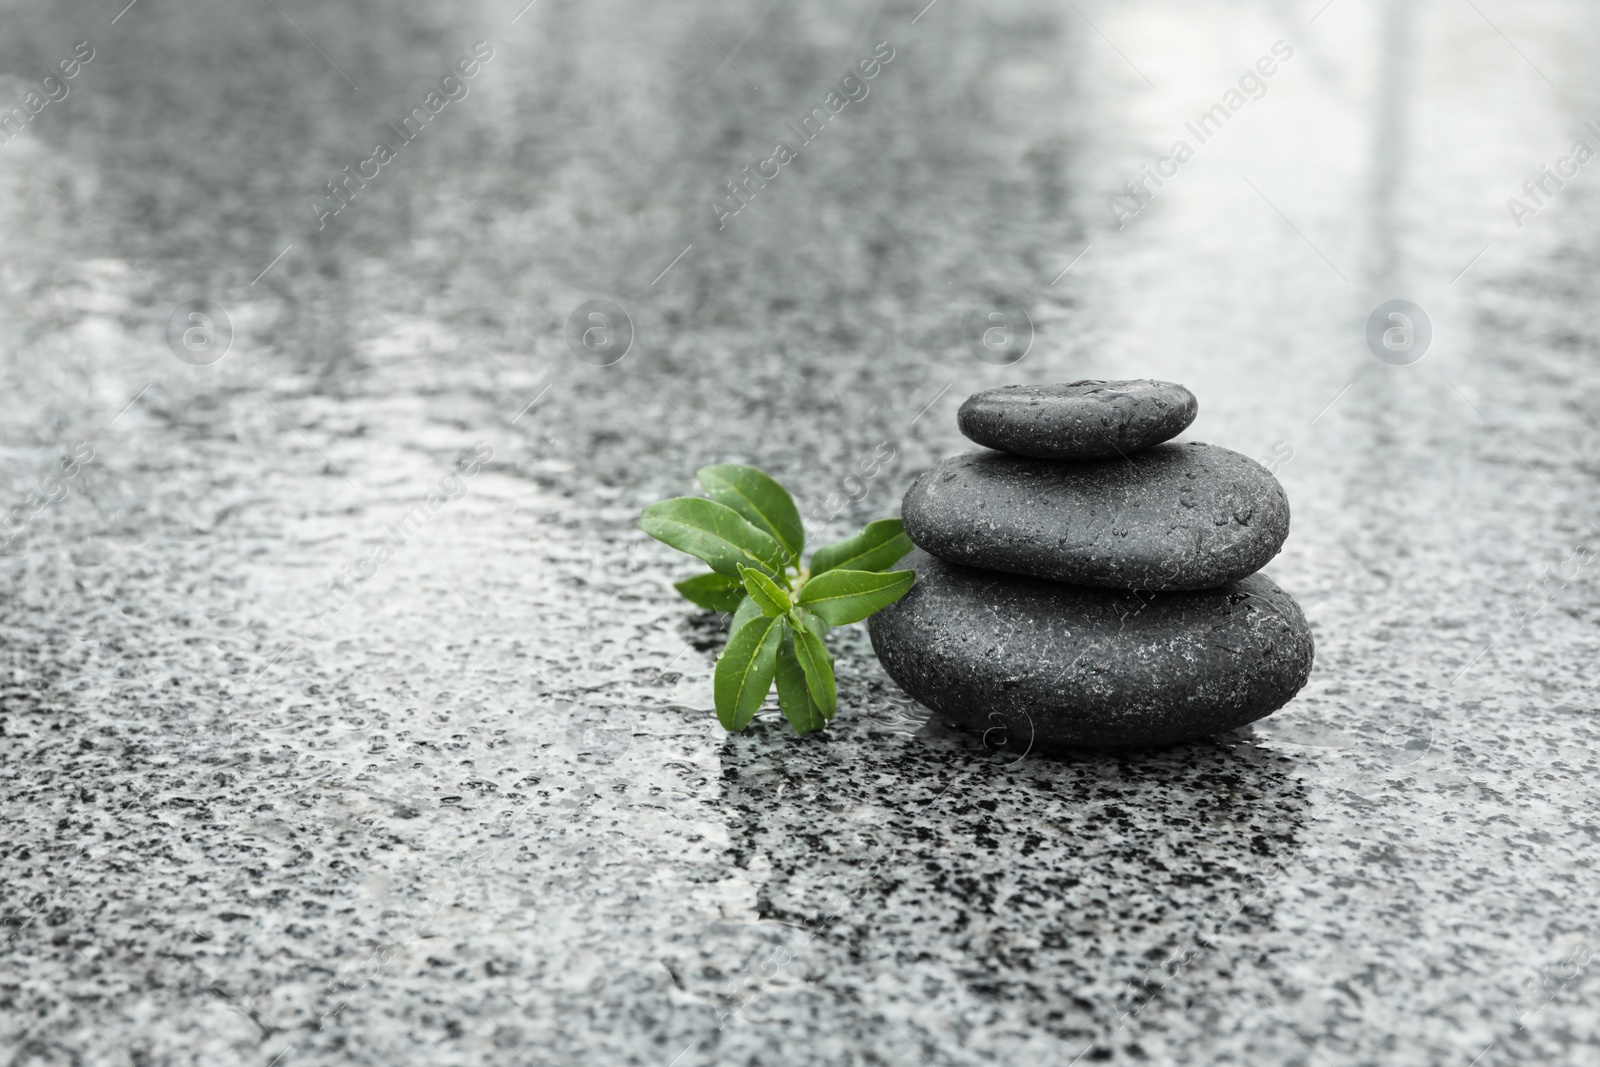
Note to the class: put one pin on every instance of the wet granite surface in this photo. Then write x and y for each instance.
(470, 806)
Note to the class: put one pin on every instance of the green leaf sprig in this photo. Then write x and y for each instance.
(750, 534)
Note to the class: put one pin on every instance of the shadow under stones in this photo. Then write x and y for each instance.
(1056, 894)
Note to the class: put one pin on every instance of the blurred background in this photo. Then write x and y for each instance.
(471, 806)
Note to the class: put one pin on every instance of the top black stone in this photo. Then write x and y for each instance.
(1078, 420)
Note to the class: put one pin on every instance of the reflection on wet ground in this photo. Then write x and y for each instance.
(272, 796)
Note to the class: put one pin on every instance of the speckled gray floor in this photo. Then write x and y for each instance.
(475, 809)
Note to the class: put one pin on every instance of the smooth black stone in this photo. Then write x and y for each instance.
(1177, 516)
(1078, 420)
(1046, 666)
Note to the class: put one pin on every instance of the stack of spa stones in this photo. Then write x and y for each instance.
(1086, 585)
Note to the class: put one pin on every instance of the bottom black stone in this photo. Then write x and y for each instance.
(1060, 666)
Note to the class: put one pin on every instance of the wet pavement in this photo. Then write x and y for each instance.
(347, 719)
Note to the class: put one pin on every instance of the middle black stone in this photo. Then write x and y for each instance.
(1174, 517)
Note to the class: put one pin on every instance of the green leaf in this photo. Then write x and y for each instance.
(748, 610)
(744, 672)
(876, 548)
(764, 503)
(713, 532)
(818, 668)
(765, 592)
(794, 697)
(842, 597)
(813, 621)
(715, 591)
